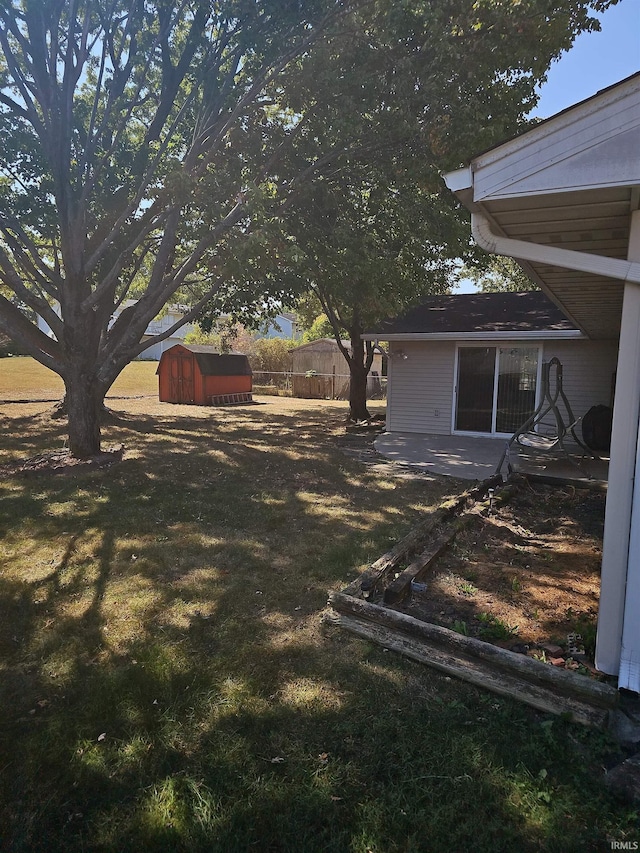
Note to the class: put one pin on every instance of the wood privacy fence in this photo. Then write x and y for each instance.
(316, 386)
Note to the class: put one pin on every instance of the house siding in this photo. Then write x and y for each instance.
(588, 368)
(422, 383)
(154, 352)
(420, 386)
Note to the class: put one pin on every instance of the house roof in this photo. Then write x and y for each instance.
(212, 363)
(570, 183)
(543, 121)
(487, 314)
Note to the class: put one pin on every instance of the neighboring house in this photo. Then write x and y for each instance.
(45, 327)
(564, 200)
(172, 314)
(284, 325)
(471, 363)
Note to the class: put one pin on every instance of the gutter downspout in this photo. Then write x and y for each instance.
(551, 255)
(620, 579)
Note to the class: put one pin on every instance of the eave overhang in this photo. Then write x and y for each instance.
(571, 183)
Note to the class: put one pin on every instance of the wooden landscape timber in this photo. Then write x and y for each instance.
(373, 577)
(479, 672)
(507, 673)
(400, 587)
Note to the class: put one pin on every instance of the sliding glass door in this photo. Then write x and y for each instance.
(495, 388)
(476, 377)
(517, 382)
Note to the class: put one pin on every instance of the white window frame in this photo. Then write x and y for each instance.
(497, 346)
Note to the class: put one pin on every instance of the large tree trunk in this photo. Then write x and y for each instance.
(84, 401)
(358, 371)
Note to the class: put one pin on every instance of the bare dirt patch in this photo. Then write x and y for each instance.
(526, 576)
(60, 462)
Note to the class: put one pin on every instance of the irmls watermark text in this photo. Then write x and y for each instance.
(625, 845)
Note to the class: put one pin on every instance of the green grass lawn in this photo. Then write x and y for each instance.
(167, 683)
(23, 378)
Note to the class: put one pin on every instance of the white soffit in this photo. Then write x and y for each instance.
(593, 145)
(570, 183)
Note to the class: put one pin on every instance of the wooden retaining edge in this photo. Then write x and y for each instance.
(549, 480)
(378, 571)
(399, 588)
(475, 672)
(392, 626)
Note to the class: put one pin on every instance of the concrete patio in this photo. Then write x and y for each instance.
(471, 458)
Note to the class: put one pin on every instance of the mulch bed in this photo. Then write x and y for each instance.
(525, 576)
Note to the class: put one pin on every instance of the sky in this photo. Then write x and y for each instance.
(595, 61)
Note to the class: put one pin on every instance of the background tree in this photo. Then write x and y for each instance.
(320, 328)
(266, 355)
(137, 142)
(365, 250)
(149, 147)
(498, 274)
(418, 88)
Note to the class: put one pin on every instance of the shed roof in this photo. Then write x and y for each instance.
(491, 313)
(321, 344)
(227, 364)
(212, 363)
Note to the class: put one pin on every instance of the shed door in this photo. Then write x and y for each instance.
(181, 379)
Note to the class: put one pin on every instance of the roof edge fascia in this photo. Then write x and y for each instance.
(557, 122)
(551, 334)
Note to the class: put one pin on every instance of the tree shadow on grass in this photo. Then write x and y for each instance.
(333, 747)
(171, 686)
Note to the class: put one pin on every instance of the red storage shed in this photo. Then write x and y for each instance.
(203, 377)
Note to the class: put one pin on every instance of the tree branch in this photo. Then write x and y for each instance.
(14, 324)
(336, 323)
(35, 302)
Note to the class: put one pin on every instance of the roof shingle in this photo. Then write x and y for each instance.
(530, 311)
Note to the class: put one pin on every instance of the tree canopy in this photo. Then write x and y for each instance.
(497, 274)
(415, 91)
(152, 149)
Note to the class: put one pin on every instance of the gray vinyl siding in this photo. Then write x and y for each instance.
(420, 386)
(588, 368)
(422, 383)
